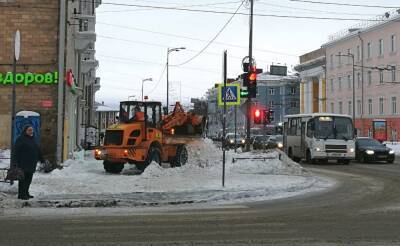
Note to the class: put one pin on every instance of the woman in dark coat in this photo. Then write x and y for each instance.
(26, 154)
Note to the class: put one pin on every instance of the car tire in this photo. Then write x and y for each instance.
(111, 167)
(309, 160)
(390, 161)
(362, 158)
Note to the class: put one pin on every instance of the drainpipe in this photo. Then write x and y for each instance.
(362, 83)
(61, 57)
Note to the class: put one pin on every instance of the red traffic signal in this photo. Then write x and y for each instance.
(257, 116)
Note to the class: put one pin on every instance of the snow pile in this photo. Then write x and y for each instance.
(199, 180)
(4, 158)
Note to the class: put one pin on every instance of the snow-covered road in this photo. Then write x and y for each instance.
(83, 182)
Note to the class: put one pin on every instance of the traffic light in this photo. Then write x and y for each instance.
(257, 116)
(271, 115)
(252, 83)
(266, 117)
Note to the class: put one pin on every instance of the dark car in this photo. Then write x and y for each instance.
(369, 150)
(276, 141)
(260, 142)
(230, 141)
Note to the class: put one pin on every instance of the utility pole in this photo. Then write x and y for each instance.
(224, 120)
(250, 65)
(362, 83)
(17, 49)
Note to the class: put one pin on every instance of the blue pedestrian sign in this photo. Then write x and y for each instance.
(230, 93)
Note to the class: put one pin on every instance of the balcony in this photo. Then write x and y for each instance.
(96, 85)
(84, 40)
(89, 64)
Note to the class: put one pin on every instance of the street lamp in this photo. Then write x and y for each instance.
(143, 80)
(354, 92)
(131, 96)
(169, 51)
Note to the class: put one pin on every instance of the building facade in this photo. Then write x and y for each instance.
(313, 82)
(51, 45)
(375, 49)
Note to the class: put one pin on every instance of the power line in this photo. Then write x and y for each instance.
(194, 39)
(166, 46)
(239, 13)
(183, 6)
(315, 10)
(159, 80)
(345, 4)
(213, 39)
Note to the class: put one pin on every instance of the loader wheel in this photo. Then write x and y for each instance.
(111, 167)
(181, 156)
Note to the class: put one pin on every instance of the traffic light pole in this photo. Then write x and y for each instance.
(224, 120)
(250, 65)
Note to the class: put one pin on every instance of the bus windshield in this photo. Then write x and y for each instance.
(333, 127)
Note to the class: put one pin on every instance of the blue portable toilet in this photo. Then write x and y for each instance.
(24, 118)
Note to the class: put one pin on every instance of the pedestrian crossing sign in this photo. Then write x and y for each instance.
(230, 93)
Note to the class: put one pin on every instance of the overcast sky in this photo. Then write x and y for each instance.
(132, 41)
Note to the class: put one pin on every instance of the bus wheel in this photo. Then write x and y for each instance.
(308, 158)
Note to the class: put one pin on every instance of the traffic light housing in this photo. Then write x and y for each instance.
(252, 82)
(257, 116)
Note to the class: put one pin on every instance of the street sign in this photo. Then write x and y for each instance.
(230, 94)
(278, 70)
(17, 45)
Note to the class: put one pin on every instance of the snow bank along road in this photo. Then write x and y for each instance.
(83, 182)
(363, 209)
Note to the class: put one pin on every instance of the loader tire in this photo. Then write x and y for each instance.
(113, 167)
(181, 156)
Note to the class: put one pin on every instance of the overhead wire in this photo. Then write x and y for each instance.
(213, 39)
(345, 4)
(194, 39)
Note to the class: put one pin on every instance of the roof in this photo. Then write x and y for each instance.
(317, 115)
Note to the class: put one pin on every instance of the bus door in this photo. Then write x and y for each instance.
(303, 139)
(284, 133)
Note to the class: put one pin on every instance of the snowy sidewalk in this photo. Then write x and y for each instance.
(84, 183)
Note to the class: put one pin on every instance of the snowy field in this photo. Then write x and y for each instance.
(199, 181)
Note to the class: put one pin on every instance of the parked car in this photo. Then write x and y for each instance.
(260, 142)
(369, 149)
(230, 141)
(276, 141)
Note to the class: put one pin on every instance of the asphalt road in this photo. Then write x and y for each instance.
(364, 209)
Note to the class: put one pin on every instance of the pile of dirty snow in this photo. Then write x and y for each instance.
(269, 176)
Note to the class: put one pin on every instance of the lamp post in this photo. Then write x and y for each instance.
(354, 92)
(143, 80)
(169, 51)
(131, 96)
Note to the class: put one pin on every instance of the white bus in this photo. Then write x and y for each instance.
(319, 137)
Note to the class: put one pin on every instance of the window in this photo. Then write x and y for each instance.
(349, 81)
(369, 78)
(331, 60)
(272, 91)
(293, 90)
(393, 72)
(369, 106)
(332, 108)
(369, 50)
(358, 80)
(332, 85)
(271, 104)
(394, 105)
(293, 104)
(359, 107)
(310, 126)
(340, 58)
(393, 43)
(349, 107)
(340, 107)
(380, 77)
(340, 83)
(381, 105)
(380, 47)
(358, 53)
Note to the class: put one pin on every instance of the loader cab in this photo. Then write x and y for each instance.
(137, 111)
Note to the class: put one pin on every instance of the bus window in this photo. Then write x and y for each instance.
(310, 128)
